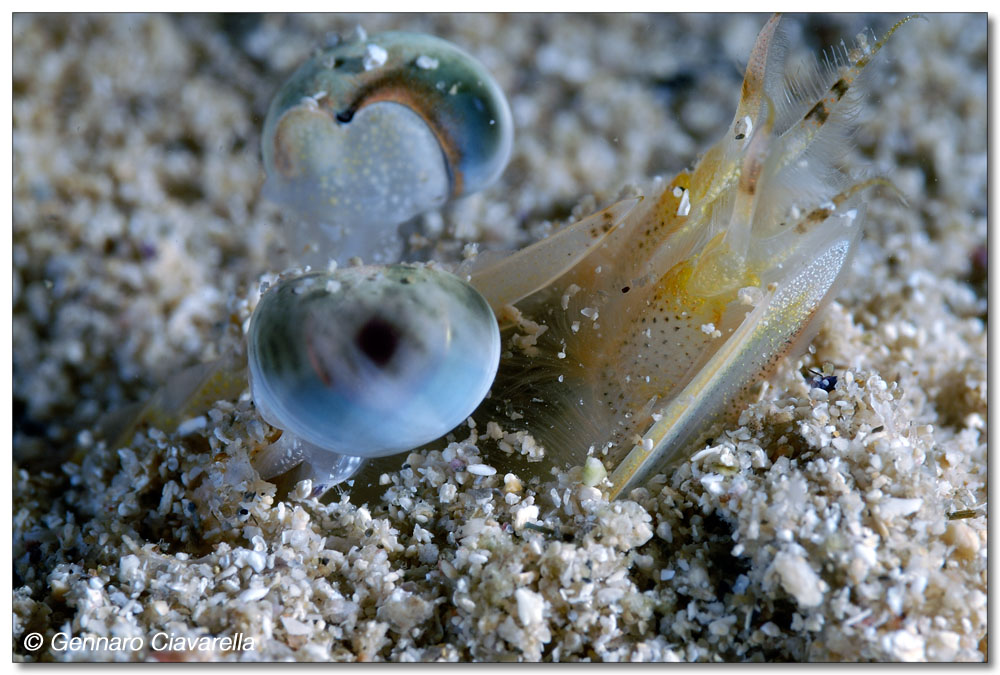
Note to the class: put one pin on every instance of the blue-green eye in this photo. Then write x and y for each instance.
(370, 361)
(374, 131)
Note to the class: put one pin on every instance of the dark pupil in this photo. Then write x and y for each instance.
(378, 340)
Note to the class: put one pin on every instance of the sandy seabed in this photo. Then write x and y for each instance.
(847, 525)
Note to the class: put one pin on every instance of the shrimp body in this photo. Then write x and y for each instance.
(629, 334)
(659, 332)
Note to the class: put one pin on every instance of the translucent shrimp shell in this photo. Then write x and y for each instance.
(658, 333)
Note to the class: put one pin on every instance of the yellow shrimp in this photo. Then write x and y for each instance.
(650, 320)
(659, 333)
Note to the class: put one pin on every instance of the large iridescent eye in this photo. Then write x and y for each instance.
(374, 131)
(370, 361)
